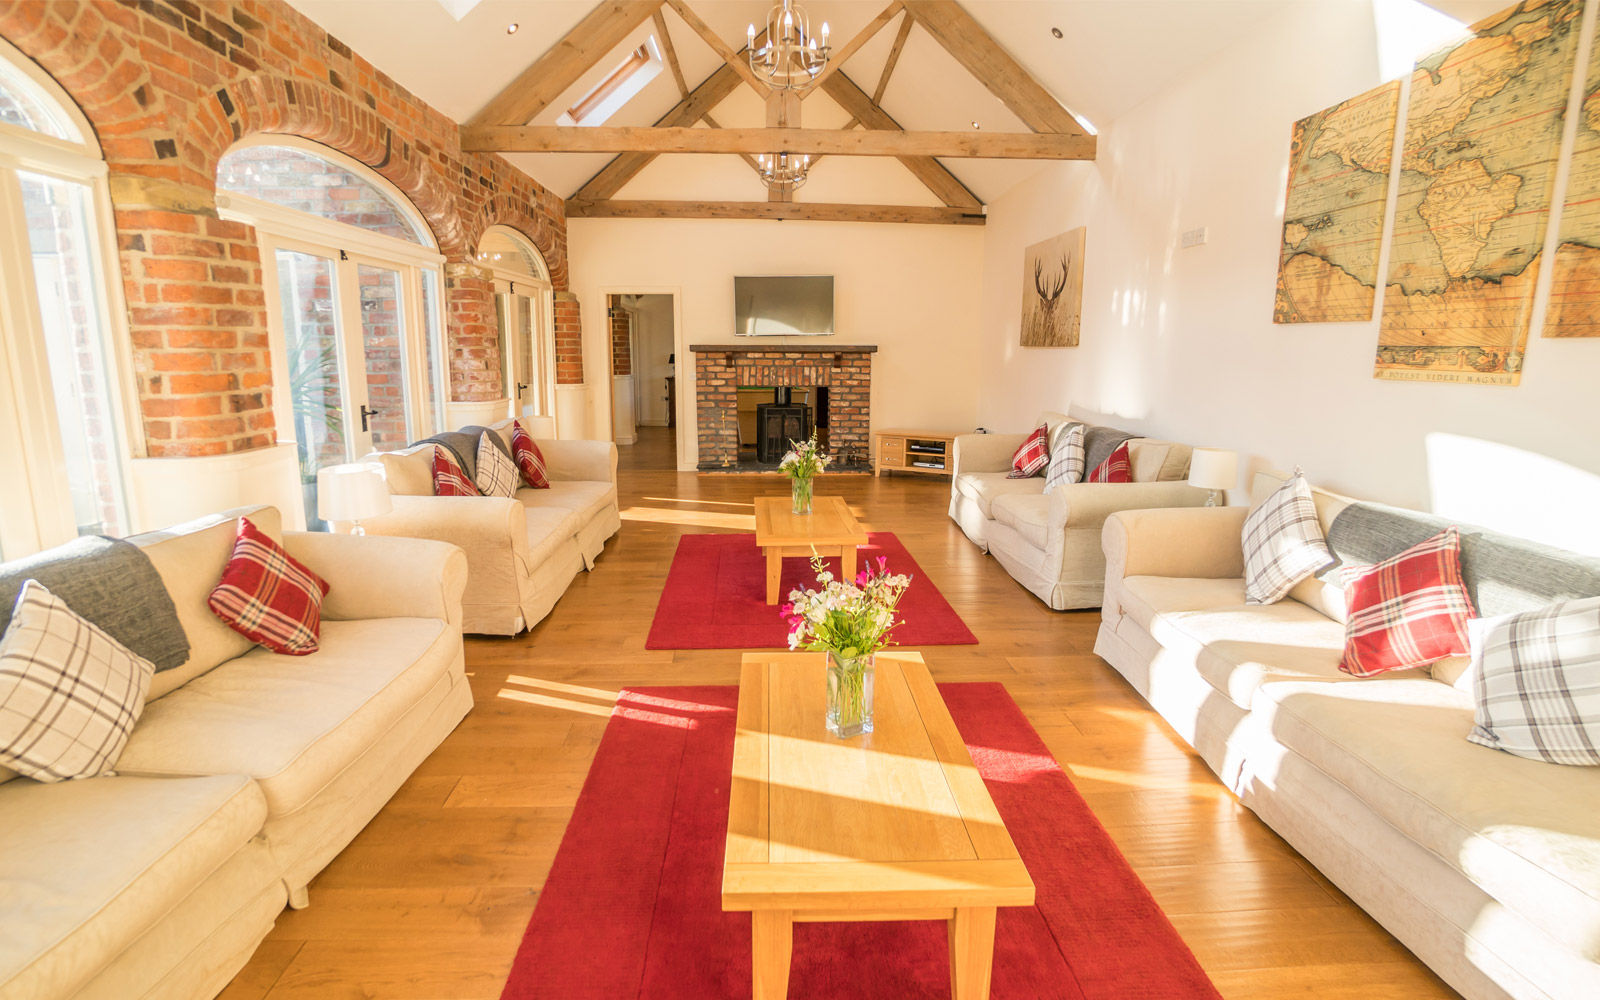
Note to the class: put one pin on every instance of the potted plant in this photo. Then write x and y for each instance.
(803, 463)
(850, 622)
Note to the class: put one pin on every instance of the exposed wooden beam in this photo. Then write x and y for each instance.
(977, 51)
(670, 53)
(744, 156)
(929, 171)
(739, 62)
(838, 58)
(800, 210)
(906, 24)
(602, 29)
(816, 141)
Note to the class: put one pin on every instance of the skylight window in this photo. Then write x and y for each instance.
(629, 77)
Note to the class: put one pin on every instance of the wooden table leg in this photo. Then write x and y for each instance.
(774, 573)
(771, 946)
(971, 952)
(847, 563)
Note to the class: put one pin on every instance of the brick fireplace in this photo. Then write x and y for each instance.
(845, 370)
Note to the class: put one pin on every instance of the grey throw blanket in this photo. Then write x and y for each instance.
(463, 446)
(113, 584)
(1099, 443)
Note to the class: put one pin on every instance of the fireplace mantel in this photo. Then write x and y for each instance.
(758, 347)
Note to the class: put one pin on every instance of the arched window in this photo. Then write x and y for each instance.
(352, 278)
(523, 309)
(65, 428)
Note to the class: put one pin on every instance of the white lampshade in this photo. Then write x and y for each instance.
(1214, 468)
(352, 492)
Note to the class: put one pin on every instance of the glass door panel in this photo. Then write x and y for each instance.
(383, 360)
(308, 293)
(70, 308)
(527, 389)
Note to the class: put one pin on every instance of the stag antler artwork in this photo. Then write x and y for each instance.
(1050, 308)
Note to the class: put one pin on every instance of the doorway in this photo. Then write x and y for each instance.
(643, 329)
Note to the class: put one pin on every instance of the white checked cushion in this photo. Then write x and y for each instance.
(1066, 456)
(1283, 543)
(496, 476)
(1536, 678)
(69, 693)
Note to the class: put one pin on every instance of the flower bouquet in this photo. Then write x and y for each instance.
(850, 622)
(802, 463)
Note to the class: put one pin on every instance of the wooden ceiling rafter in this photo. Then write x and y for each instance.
(839, 57)
(670, 53)
(814, 141)
(736, 60)
(788, 210)
(906, 24)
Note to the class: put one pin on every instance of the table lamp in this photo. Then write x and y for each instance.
(1214, 469)
(352, 493)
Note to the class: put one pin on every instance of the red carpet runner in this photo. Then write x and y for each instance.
(632, 907)
(716, 597)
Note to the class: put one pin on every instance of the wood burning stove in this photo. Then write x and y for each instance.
(778, 423)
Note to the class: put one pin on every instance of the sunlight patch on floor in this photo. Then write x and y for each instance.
(690, 518)
(708, 503)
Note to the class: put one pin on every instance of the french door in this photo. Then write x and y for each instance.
(522, 310)
(356, 352)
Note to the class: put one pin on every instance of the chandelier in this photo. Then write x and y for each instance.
(782, 171)
(791, 59)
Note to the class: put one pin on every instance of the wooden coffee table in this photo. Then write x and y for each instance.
(830, 529)
(895, 824)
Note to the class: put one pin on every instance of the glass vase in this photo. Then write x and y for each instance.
(849, 695)
(800, 490)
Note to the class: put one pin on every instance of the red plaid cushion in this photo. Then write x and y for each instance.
(1408, 611)
(529, 460)
(268, 596)
(448, 479)
(1117, 468)
(1031, 458)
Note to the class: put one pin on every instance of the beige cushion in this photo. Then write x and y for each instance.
(983, 487)
(408, 471)
(190, 558)
(1144, 597)
(1237, 649)
(548, 527)
(583, 497)
(1158, 461)
(98, 862)
(1526, 832)
(1028, 513)
(294, 722)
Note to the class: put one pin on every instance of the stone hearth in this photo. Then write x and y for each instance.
(845, 370)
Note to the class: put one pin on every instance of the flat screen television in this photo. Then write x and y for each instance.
(783, 306)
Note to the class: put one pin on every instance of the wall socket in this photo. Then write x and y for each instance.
(1194, 237)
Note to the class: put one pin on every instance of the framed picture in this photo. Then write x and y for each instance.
(1052, 291)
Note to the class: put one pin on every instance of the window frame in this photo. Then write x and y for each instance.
(40, 515)
(505, 280)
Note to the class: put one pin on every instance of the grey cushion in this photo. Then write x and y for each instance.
(1099, 443)
(478, 431)
(1504, 574)
(113, 584)
(462, 446)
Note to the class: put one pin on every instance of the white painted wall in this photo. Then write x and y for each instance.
(1180, 343)
(912, 290)
(653, 343)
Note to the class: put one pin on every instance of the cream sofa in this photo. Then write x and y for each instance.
(1484, 864)
(523, 551)
(1051, 543)
(247, 773)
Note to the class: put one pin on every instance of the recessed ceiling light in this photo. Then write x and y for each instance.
(1056, 32)
(976, 125)
(511, 29)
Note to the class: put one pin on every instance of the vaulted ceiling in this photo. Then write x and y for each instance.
(1111, 56)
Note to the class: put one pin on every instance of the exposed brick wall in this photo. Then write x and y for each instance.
(569, 340)
(169, 86)
(621, 336)
(847, 375)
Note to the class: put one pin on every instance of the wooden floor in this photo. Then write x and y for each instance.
(431, 899)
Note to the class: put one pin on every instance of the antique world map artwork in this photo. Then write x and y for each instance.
(1339, 163)
(1574, 309)
(1482, 133)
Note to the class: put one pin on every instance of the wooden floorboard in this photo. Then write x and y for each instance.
(430, 901)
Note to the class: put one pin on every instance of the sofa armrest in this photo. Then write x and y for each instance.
(377, 577)
(1087, 505)
(984, 453)
(582, 461)
(1180, 542)
(486, 528)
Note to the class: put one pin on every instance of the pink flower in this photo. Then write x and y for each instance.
(862, 578)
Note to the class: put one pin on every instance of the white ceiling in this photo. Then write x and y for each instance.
(1114, 55)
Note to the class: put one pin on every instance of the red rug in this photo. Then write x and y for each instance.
(716, 596)
(632, 907)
